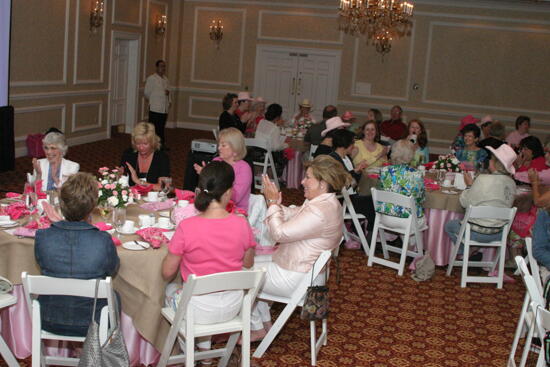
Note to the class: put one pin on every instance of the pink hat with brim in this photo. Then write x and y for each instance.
(334, 123)
(468, 120)
(506, 155)
(244, 96)
(347, 116)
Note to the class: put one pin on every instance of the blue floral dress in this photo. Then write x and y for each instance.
(405, 180)
(475, 157)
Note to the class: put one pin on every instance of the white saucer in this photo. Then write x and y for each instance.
(164, 213)
(169, 228)
(447, 186)
(449, 192)
(131, 245)
(146, 199)
(123, 232)
(10, 224)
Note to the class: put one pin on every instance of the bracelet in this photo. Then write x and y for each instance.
(271, 201)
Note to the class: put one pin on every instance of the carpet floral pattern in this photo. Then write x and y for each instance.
(376, 318)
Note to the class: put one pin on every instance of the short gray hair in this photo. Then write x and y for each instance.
(402, 152)
(497, 130)
(56, 139)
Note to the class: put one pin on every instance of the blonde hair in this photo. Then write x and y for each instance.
(145, 130)
(78, 196)
(235, 138)
(402, 152)
(327, 169)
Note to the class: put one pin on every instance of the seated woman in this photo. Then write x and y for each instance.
(257, 112)
(268, 128)
(523, 123)
(303, 117)
(333, 124)
(419, 137)
(145, 162)
(542, 176)
(228, 118)
(212, 242)
(369, 153)
(471, 155)
(74, 248)
(302, 232)
(531, 155)
(342, 143)
(232, 150)
(496, 189)
(402, 179)
(54, 169)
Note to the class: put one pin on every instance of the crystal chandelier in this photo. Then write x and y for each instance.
(379, 20)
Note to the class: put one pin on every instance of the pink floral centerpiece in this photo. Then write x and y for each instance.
(114, 191)
(448, 163)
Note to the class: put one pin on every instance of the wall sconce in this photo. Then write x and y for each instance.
(160, 25)
(216, 32)
(96, 15)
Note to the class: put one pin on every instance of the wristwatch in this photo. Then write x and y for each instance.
(271, 201)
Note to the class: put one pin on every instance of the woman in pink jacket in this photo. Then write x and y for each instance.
(302, 233)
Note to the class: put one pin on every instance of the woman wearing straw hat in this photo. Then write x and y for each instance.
(303, 118)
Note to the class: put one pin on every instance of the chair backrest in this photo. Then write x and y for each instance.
(216, 132)
(542, 320)
(316, 269)
(393, 198)
(534, 293)
(487, 212)
(535, 271)
(347, 205)
(258, 143)
(41, 285)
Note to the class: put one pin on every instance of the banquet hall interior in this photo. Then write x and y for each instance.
(457, 58)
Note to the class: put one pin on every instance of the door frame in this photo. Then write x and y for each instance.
(132, 88)
(311, 51)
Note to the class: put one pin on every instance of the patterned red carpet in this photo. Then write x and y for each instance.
(377, 318)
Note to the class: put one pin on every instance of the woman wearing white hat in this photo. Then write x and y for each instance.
(496, 189)
(303, 118)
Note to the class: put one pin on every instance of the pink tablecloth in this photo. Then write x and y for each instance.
(435, 238)
(294, 171)
(16, 330)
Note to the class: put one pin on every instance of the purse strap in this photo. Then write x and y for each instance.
(95, 298)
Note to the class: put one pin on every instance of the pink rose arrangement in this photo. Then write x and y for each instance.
(448, 163)
(113, 188)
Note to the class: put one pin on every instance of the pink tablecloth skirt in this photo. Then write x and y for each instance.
(16, 330)
(294, 171)
(435, 238)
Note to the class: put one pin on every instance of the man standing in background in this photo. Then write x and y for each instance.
(158, 95)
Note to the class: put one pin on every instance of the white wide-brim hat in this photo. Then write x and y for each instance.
(334, 123)
(506, 155)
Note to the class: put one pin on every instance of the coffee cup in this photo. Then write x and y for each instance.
(145, 220)
(164, 222)
(153, 196)
(4, 218)
(128, 226)
(447, 182)
(183, 203)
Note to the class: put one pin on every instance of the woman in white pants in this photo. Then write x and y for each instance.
(302, 233)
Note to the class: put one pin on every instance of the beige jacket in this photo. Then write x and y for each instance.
(306, 231)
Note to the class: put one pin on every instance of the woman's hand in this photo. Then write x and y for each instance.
(133, 173)
(361, 166)
(533, 176)
(271, 192)
(198, 168)
(354, 151)
(468, 180)
(37, 168)
(120, 169)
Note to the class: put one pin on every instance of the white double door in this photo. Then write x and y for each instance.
(288, 75)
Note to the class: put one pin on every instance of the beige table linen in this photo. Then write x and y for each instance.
(138, 281)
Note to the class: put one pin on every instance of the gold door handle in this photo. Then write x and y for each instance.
(299, 92)
(293, 86)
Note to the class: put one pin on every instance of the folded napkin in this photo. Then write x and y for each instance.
(179, 214)
(102, 226)
(374, 175)
(154, 236)
(431, 184)
(13, 195)
(161, 205)
(141, 189)
(41, 223)
(185, 195)
(38, 189)
(429, 165)
(17, 210)
(24, 232)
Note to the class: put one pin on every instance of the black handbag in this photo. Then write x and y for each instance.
(111, 354)
(316, 305)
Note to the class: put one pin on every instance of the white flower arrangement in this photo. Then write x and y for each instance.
(113, 189)
(448, 163)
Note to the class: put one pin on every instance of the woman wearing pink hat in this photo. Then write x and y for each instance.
(333, 124)
(496, 189)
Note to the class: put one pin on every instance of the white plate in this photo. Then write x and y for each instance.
(146, 199)
(131, 245)
(123, 232)
(9, 224)
(449, 192)
(449, 186)
(164, 213)
(172, 226)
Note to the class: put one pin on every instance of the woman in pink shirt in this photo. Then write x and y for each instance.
(523, 123)
(214, 241)
(232, 150)
(302, 233)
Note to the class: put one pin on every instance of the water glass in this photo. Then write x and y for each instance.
(119, 217)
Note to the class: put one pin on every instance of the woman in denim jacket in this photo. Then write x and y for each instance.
(74, 248)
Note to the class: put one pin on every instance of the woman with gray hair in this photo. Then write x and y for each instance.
(401, 178)
(54, 169)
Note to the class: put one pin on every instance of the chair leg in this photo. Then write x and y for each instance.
(452, 258)
(384, 244)
(519, 328)
(274, 331)
(313, 342)
(230, 345)
(189, 351)
(373, 243)
(465, 259)
(500, 274)
(403, 258)
(6, 353)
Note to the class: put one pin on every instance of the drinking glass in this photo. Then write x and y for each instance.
(119, 217)
(105, 210)
(166, 184)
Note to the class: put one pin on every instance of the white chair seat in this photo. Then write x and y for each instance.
(351, 214)
(205, 329)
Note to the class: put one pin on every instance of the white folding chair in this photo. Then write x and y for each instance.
(312, 149)
(482, 212)
(183, 323)
(7, 300)
(535, 298)
(295, 300)
(268, 162)
(351, 214)
(525, 317)
(405, 226)
(216, 132)
(39, 285)
(542, 324)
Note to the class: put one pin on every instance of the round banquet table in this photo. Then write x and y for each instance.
(138, 282)
(294, 170)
